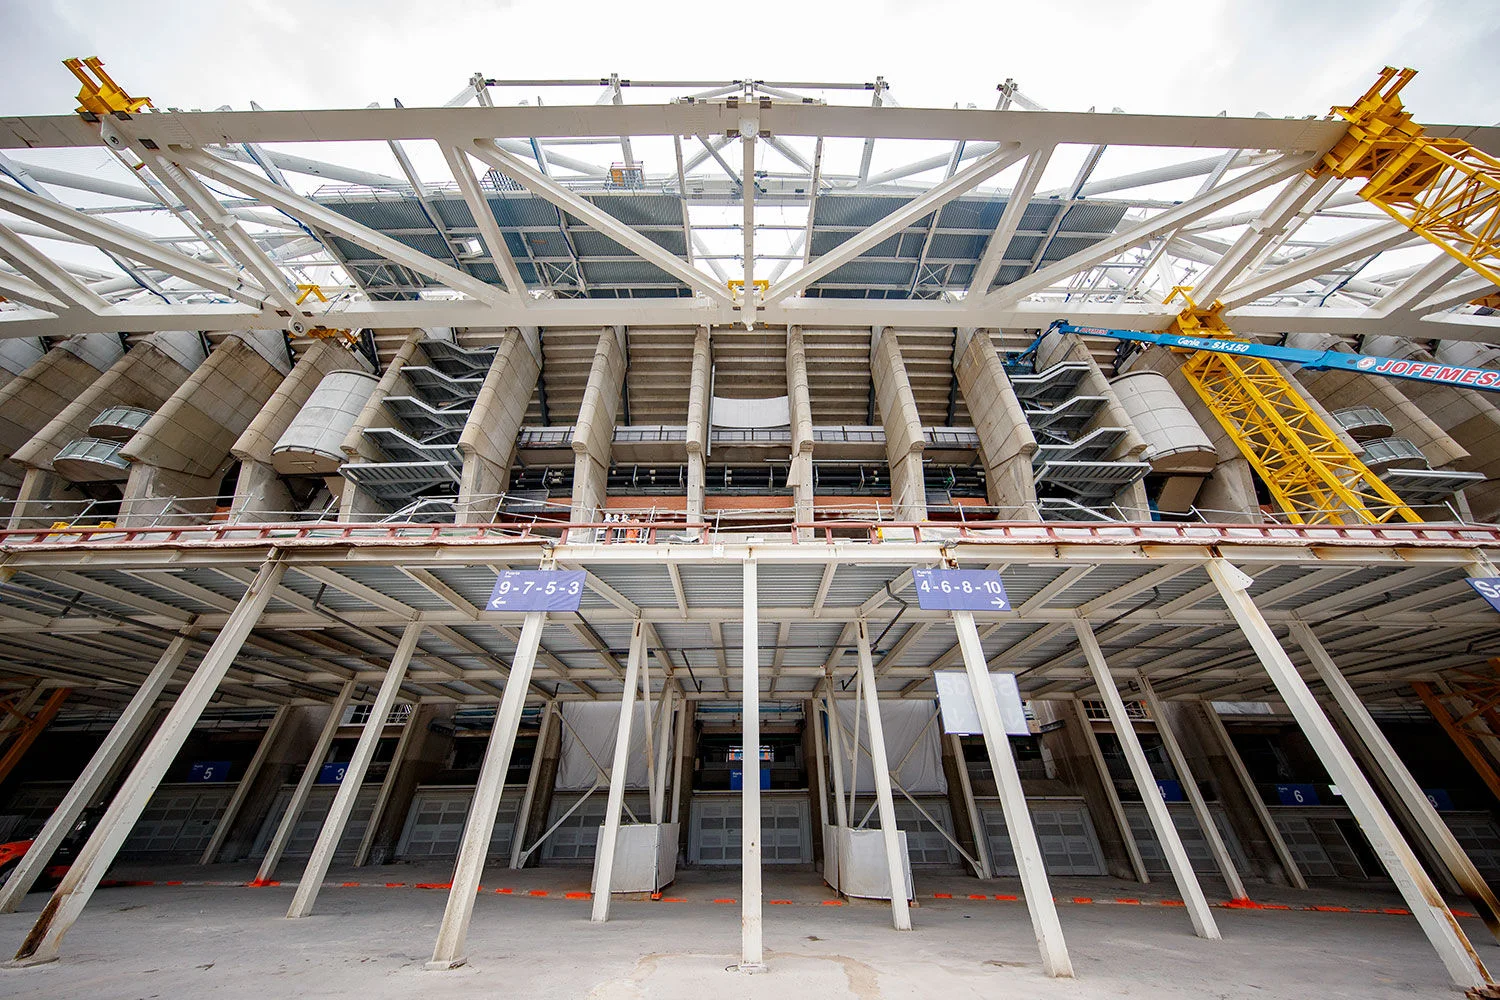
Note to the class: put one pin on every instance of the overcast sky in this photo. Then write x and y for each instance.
(1284, 57)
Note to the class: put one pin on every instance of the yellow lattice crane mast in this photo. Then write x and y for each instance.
(1308, 470)
(1444, 190)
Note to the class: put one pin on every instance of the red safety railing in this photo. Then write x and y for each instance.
(321, 533)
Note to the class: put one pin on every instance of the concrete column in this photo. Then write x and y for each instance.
(813, 711)
(799, 404)
(895, 861)
(448, 953)
(179, 457)
(488, 441)
(904, 440)
(1039, 902)
(604, 860)
(1405, 786)
(1422, 897)
(1190, 788)
(683, 754)
(752, 956)
(970, 807)
(1252, 794)
(1006, 443)
(242, 787)
(283, 835)
(1111, 794)
(131, 721)
(70, 897)
(698, 424)
(538, 759)
(1156, 809)
(594, 432)
(387, 786)
(40, 392)
(354, 776)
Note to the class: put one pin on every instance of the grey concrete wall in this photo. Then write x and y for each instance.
(488, 442)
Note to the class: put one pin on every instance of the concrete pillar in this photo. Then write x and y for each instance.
(538, 761)
(260, 492)
(1190, 788)
(549, 748)
(354, 776)
(1039, 902)
(1111, 794)
(180, 456)
(1252, 796)
(813, 712)
(488, 441)
(40, 392)
(283, 835)
(1410, 794)
(594, 432)
(1422, 897)
(242, 787)
(604, 858)
(1006, 443)
(72, 895)
(836, 752)
(448, 953)
(1156, 809)
(752, 956)
(890, 833)
(387, 786)
(131, 721)
(663, 753)
(799, 404)
(904, 439)
(698, 424)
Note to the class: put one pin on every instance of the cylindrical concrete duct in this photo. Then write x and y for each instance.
(310, 444)
(1467, 353)
(19, 354)
(1391, 347)
(1177, 443)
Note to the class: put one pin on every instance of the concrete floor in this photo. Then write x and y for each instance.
(371, 942)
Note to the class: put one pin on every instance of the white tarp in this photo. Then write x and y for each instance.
(961, 714)
(906, 723)
(593, 725)
(775, 411)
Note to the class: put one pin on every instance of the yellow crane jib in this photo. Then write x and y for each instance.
(100, 95)
(1444, 190)
(1307, 468)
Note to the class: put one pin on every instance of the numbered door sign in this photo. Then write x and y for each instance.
(537, 590)
(1488, 588)
(209, 770)
(1297, 795)
(959, 590)
(332, 773)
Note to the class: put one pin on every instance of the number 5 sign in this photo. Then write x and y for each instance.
(537, 590)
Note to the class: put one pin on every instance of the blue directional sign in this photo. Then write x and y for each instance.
(537, 590)
(1488, 588)
(959, 590)
(1297, 795)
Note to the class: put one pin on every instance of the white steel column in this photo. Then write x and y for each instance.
(663, 752)
(448, 953)
(69, 899)
(1422, 897)
(752, 957)
(1039, 902)
(304, 785)
(523, 816)
(1116, 807)
(131, 721)
(836, 753)
(677, 747)
(1145, 782)
(900, 909)
(820, 773)
(976, 821)
(1190, 788)
(243, 786)
(604, 859)
(1247, 784)
(387, 785)
(1431, 824)
(354, 776)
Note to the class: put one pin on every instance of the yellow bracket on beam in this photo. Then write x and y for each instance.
(102, 96)
(315, 291)
(737, 287)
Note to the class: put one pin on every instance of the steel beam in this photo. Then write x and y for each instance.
(604, 855)
(243, 786)
(890, 833)
(1111, 794)
(1039, 902)
(1247, 785)
(523, 814)
(72, 895)
(354, 776)
(1422, 897)
(752, 955)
